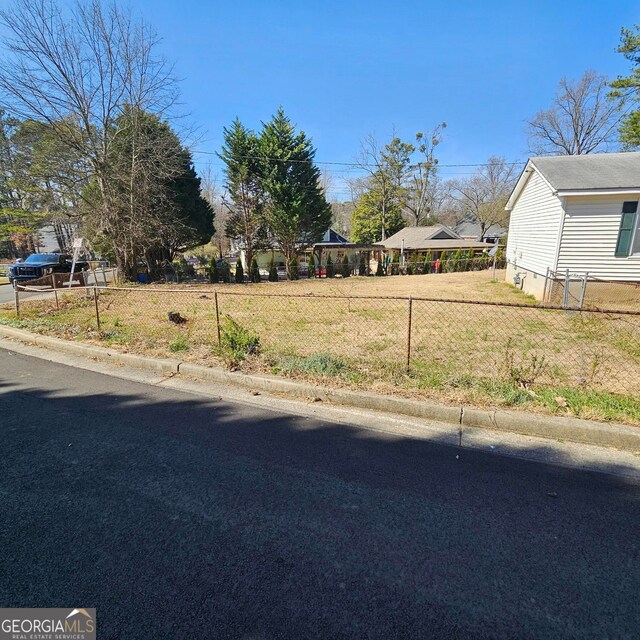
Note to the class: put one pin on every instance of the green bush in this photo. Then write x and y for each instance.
(444, 266)
(179, 344)
(380, 268)
(214, 276)
(312, 267)
(346, 269)
(318, 364)
(236, 341)
(239, 272)
(428, 263)
(273, 271)
(362, 266)
(470, 266)
(329, 267)
(225, 272)
(293, 268)
(254, 272)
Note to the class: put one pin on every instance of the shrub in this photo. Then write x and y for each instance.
(236, 341)
(254, 272)
(273, 271)
(456, 263)
(293, 268)
(520, 371)
(380, 268)
(312, 267)
(225, 272)
(214, 276)
(346, 269)
(428, 263)
(470, 266)
(329, 267)
(318, 364)
(362, 266)
(444, 266)
(239, 272)
(179, 344)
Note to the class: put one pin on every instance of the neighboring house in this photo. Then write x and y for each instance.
(332, 244)
(575, 213)
(418, 241)
(337, 246)
(473, 231)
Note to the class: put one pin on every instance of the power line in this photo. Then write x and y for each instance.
(354, 164)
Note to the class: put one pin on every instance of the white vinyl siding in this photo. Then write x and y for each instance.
(589, 237)
(534, 226)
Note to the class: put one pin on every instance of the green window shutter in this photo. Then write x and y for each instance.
(627, 225)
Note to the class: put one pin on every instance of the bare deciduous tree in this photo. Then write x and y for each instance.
(481, 198)
(86, 64)
(582, 119)
(387, 168)
(422, 191)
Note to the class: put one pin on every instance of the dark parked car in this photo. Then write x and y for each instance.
(38, 265)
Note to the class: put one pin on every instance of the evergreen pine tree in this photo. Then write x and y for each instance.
(296, 210)
(240, 154)
(362, 267)
(380, 268)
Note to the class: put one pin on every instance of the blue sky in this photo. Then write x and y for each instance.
(345, 69)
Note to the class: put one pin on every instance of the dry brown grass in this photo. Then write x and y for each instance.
(473, 285)
(458, 350)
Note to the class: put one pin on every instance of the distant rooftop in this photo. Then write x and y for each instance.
(435, 237)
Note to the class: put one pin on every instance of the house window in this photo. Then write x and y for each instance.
(629, 234)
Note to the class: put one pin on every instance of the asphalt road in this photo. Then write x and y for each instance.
(181, 517)
(7, 294)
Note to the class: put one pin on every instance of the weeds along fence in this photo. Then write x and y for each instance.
(417, 342)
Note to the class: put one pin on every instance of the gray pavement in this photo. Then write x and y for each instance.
(181, 516)
(7, 294)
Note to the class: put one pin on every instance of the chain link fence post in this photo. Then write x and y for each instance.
(565, 295)
(546, 284)
(95, 299)
(55, 290)
(583, 291)
(215, 296)
(409, 333)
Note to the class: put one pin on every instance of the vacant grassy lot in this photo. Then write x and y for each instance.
(473, 285)
(586, 364)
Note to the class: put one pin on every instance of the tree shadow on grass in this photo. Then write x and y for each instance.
(178, 517)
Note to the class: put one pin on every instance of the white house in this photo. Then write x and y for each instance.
(576, 213)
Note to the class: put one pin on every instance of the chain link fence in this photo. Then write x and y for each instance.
(410, 342)
(567, 289)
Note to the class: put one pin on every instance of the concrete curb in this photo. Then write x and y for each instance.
(555, 427)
